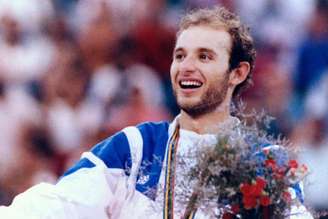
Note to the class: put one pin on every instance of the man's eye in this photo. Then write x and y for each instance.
(204, 57)
(178, 56)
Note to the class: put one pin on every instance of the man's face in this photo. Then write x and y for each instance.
(199, 71)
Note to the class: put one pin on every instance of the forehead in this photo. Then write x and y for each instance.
(196, 37)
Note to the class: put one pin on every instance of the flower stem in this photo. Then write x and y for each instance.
(192, 203)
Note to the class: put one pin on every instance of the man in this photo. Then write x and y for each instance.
(125, 175)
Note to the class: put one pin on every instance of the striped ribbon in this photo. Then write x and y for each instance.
(191, 216)
(170, 177)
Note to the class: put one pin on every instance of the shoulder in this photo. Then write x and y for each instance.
(154, 136)
(115, 151)
(153, 130)
(153, 127)
(119, 144)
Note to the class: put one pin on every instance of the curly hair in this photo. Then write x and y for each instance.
(242, 42)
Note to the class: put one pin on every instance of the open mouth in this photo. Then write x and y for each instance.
(190, 84)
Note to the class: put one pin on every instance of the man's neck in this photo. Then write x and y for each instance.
(207, 123)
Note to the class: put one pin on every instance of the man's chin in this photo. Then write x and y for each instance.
(193, 110)
(199, 108)
(187, 106)
(190, 102)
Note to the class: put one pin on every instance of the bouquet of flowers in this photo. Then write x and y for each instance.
(247, 174)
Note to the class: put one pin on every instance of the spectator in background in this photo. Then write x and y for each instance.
(30, 15)
(64, 90)
(20, 166)
(312, 55)
(98, 38)
(22, 59)
(142, 98)
(134, 111)
(272, 91)
(152, 35)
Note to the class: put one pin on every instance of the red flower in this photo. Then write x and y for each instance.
(227, 215)
(265, 200)
(279, 173)
(287, 196)
(261, 182)
(235, 208)
(249, 202)
(293, 164)
(255, 189)
(246, 189)
(271, 163)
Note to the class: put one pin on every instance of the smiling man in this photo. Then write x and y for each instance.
(199, 71)
(135, 173)
(202, 78)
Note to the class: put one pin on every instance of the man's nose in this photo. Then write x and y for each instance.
(188, 64)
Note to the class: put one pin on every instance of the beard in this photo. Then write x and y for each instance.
(209, 101)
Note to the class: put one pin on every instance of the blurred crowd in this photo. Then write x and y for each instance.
(73, 72)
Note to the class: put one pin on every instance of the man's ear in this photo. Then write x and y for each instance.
(239, 74)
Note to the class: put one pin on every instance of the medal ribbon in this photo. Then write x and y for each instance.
(170, 177)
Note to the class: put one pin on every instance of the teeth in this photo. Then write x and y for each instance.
(191, 83)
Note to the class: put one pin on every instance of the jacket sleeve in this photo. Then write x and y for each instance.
(73, 196)
(93, 188)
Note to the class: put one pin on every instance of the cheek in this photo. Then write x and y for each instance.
(216, 78)
(217, 70)
(173, 71)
